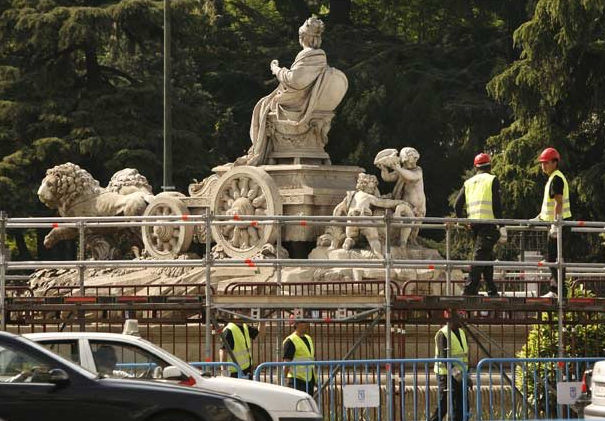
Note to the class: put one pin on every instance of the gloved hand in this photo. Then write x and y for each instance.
(553, 231)
(503, 235)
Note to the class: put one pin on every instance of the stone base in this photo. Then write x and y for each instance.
(312, 190)
(400, 275)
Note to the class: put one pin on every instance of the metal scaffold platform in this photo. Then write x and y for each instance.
(357, 313)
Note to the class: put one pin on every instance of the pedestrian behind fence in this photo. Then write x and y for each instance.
(298, 347)
(459, 350)
(239, 336)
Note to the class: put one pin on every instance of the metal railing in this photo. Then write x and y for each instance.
(388, 263)
(526, 388)
(386, 389)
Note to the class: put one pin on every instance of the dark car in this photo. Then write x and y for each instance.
(36, 384)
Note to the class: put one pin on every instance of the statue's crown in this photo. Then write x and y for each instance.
(313, 27)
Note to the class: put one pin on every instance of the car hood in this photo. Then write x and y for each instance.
(272, 396)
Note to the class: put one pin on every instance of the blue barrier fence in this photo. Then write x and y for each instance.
(526, 388)
(408, 389)
(396, 389)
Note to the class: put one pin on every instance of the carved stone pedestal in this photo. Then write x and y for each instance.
(307, 190)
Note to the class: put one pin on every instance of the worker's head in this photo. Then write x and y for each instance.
(453, 318)
(483, 162)
(301, 327)
(549, 160)
(105, 359)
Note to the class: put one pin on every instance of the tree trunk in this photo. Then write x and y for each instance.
(93, 72)
(24, 253)
(294, 11)
(340, 12)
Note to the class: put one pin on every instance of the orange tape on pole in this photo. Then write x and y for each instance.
(249, 262)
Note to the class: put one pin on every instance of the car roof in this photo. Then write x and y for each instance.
(22, 341)
(83, 335)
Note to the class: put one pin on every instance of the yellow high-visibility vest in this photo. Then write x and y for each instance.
(547, 213)
(458, 349)
(478, 194)
(241, 346)
(302, 353)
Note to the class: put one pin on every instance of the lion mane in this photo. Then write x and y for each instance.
(68, 183)
(127, 181)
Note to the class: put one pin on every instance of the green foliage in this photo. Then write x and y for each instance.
(583, 337)
(82, 82)
(555, 91)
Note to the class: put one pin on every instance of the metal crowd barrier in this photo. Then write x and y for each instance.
(370, 390)
(404, 389)
(526, 388)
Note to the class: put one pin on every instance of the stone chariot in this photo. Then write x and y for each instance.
(285, 172)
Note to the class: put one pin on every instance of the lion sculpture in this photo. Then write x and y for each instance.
(74, 192)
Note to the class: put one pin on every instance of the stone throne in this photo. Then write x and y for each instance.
(304, 142)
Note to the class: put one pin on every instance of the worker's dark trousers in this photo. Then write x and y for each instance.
(457, 399)
(484, 238)
(551, 256)
(303, 386)
(247, 373)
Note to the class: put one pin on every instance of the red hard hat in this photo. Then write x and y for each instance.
(482, 159)
(549, 154)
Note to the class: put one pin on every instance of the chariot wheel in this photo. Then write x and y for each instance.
(245, 191)
(167, 241)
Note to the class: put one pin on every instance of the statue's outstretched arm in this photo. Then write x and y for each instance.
(409, 175)
(386, 203)
(388, 175)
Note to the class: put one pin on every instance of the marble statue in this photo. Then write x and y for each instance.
(409, 182)
(366, 201)
(291, 124)
(74, 192)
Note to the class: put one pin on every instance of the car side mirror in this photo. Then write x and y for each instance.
(171, 373)
(58, 377)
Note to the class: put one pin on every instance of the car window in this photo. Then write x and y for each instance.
(66, 348)
(116, 359)
(18, 366)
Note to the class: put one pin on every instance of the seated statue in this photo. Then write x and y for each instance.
(291, 124)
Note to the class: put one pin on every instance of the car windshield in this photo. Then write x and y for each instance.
(58, 358)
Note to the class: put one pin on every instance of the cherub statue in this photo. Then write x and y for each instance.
(409, 183)
(362, 202)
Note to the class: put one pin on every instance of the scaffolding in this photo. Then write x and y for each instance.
(279, 307)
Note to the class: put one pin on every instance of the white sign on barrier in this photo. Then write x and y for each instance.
(361, 396)
(568, 392)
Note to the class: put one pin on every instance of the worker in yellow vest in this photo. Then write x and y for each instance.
(458, 350)
(239, 337)
(555, 206)
(480, 195)
(299, 347)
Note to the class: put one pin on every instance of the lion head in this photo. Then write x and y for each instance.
(128, 181)
(64, 184)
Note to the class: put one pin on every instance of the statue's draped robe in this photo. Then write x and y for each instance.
(293, 101)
